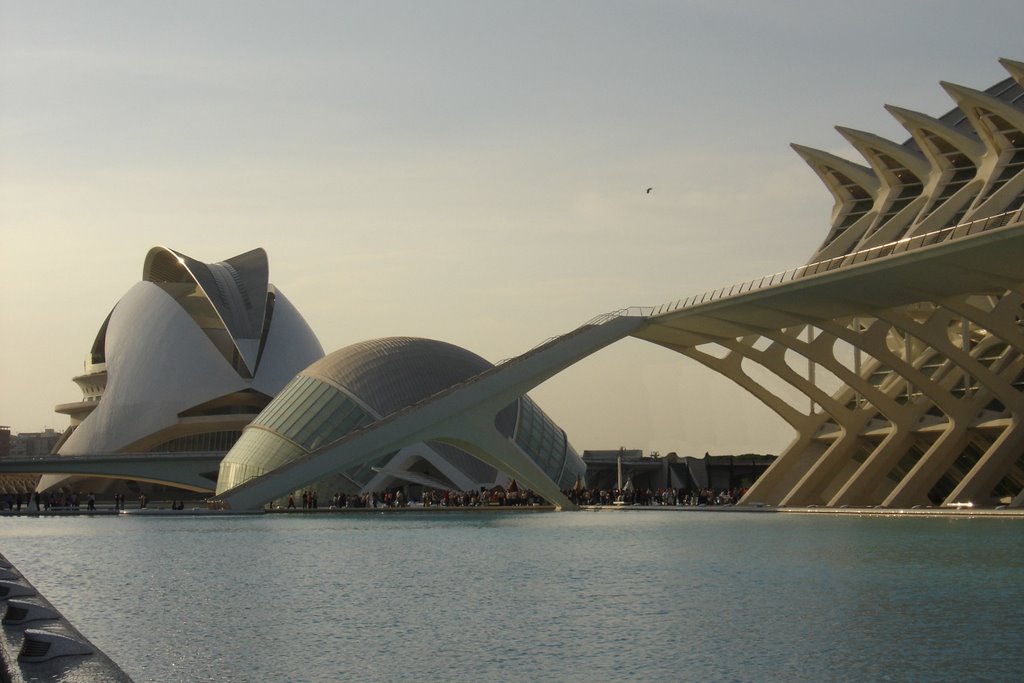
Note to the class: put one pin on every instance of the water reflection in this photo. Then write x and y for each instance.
(644, 595)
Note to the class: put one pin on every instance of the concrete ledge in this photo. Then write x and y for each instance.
(1006, 513)
(416, 509)
(38, 644)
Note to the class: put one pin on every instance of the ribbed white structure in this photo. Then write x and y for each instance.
(928, 351)
(961, 167)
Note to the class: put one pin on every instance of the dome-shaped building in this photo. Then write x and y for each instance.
(186, 359)
(368, 381)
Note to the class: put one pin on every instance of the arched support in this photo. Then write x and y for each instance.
(979, 482)
(1000, 321)
(479, 438)
(813, 486)
(409, 454)
(912, 489)
(861, 488)
(780, 472)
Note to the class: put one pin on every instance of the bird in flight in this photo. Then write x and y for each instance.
(649, 190)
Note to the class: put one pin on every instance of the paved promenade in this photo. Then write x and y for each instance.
(197, 509)
(1016, 513)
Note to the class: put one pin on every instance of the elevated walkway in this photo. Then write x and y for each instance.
(191, 471)
(948, 299)
(978, 256)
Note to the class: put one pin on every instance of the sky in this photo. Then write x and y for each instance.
(473, 172)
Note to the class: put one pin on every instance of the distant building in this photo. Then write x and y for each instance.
(25, 444)
(28, 444)
(654, 471)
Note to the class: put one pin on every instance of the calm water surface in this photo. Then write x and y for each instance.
(588, 596)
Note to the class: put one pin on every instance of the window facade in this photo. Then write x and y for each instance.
(540, 438)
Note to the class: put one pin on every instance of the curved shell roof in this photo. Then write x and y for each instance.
(159, 359)
(370, 380)
(391, 373)
(236, 288)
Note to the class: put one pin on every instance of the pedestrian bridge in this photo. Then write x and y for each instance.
(191, 471)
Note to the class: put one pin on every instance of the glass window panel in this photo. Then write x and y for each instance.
(292, 420)
(318, 412)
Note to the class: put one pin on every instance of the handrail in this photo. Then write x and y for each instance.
(906, 244)
(640, 311)
(145, 455)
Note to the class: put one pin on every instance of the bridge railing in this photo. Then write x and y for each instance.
(906, 244)
(153, 455)
(639, 311)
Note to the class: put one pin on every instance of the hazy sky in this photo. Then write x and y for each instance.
(466, 171)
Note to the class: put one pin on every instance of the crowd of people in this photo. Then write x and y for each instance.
(58, 500)
(397, 498)
(654, 497)
(514, 497)
(69, 501)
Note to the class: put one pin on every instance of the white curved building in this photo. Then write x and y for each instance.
(186, 359)
(935, 414)
(912, 307)
(369, 381)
